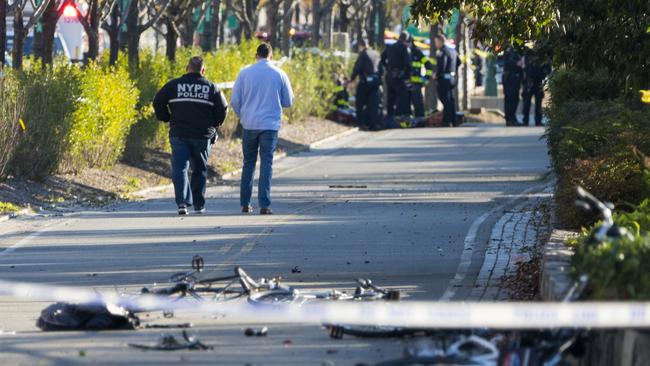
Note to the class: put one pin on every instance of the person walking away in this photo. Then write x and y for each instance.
(447, 65)
(194, 108)
(396, 60)
(535, 71)
(366, 68)
(418, 78)
(258, 96)
(512, 77)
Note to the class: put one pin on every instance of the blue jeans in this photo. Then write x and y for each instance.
(185, 153)
(263, 142)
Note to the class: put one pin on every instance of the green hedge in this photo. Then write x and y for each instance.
(11, 109)
(74, 119)
(102, 118)
(596, 140)
(90, 117)
(617, 269)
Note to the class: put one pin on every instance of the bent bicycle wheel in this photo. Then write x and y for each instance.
(273, 297)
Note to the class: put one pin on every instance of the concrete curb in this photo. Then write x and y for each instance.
(623, 347)
(13, 215)
(276, 157)
(556, 264)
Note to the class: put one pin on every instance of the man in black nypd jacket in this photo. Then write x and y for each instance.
(194, 108)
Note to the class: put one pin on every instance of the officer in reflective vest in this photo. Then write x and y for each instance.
(341, 95)
(419, 78)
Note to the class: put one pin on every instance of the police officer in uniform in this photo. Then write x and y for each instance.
(512, 77)
(194, 108)
(366, 68)
(447, 66)
(535, 71)
(418, 80)
(397, 62)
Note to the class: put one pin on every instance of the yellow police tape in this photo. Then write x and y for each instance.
(418, 314)
(645, 96)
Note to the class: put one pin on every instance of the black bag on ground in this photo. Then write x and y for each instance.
(65, 316)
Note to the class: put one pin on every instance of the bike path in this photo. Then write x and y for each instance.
(396, 206)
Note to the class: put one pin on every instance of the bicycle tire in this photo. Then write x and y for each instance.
(338, 331)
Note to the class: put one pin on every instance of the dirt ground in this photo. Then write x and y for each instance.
(95, 187)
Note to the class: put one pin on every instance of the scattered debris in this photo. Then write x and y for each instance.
(296, 270)
(287, 342)
(65, 316)
(170, 343)
(250, 332)
(347, 186)
(82, 353)
(168, 326)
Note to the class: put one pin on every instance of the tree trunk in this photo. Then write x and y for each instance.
(297, 11)
(329, 25)
(215, 25)
(114, 36)
(272, 18)
(187, 33)
(431, 90)
(381, 12)
(222, 23)
(3, 31)
(93, 32)
(370, 30)
(171, 38)
(19, 39)
(343, 18)
(44, 40)
(133, 35)
(315, 32)
(286, 26)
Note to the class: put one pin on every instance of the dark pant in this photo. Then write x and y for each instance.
(538, 93)
(397, 98)
(511, 99)
(446, 96)
(188, 153)
(367, 104)
(417, 100)
(262, 142)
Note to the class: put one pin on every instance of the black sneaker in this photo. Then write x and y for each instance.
(199, 210)
(182, 210)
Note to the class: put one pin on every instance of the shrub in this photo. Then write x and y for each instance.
(154, 71)
(101, 120)
(313, 80)
(593, 141)
(51, 94)
(12, 101)
(617, 269)
(619, 178)
(580, 85)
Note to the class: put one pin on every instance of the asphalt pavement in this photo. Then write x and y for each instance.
(411, 209)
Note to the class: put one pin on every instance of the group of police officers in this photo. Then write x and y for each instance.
(407, 70)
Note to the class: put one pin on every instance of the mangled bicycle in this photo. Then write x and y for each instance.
(485, 347)
(262, 291)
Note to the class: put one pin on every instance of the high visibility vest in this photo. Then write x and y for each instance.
(421, 68)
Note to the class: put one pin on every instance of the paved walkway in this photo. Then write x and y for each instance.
(415, 210)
